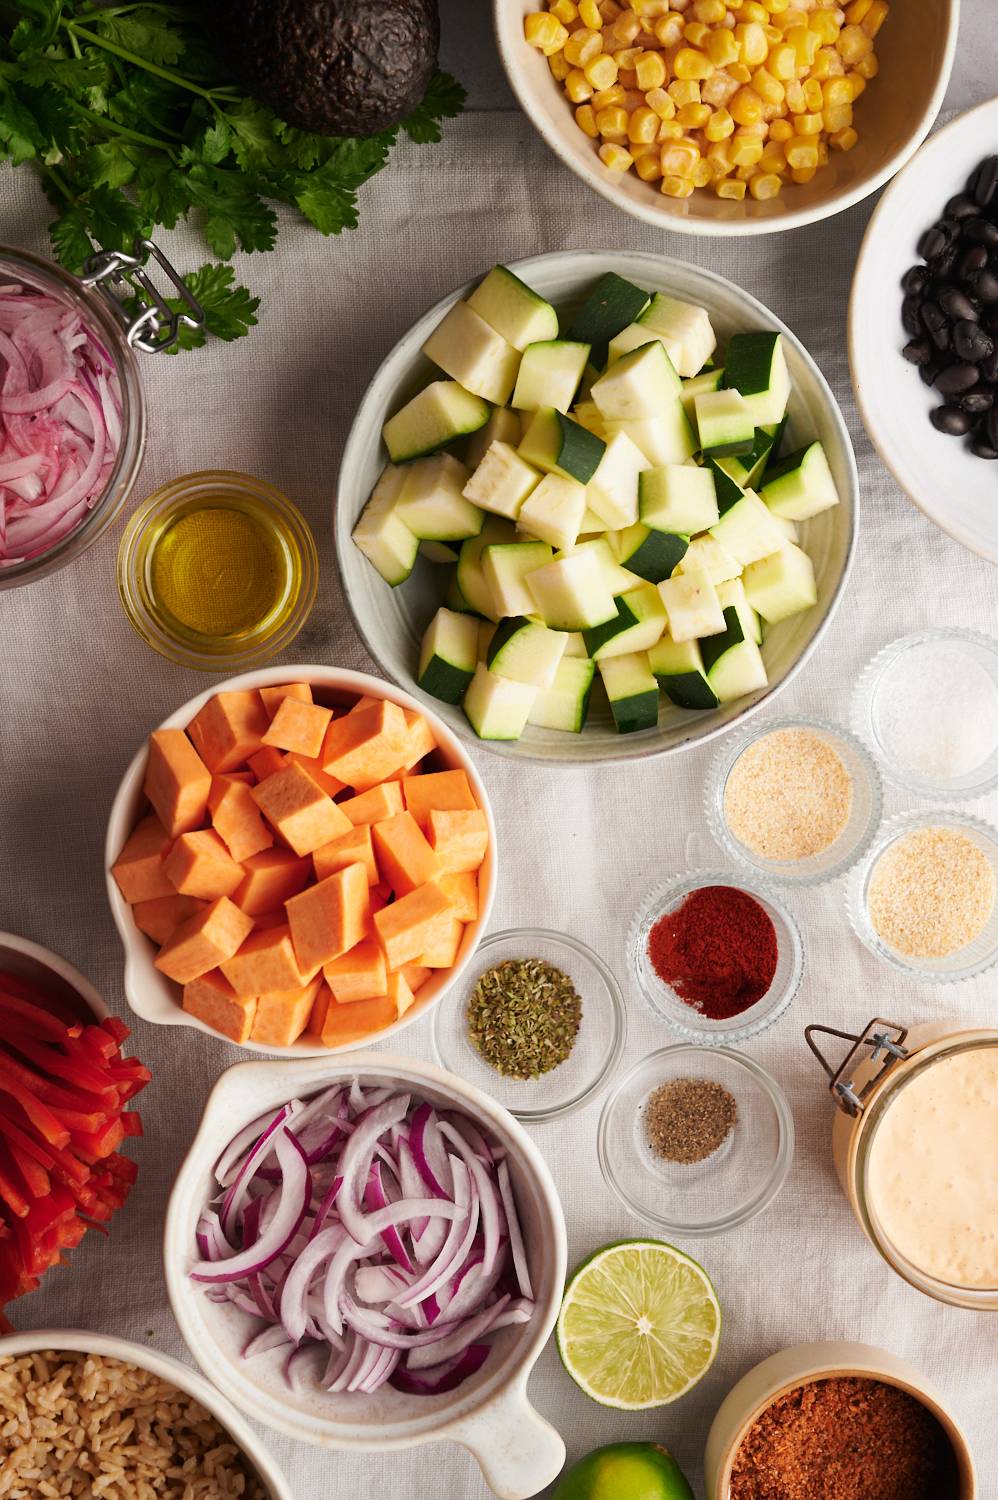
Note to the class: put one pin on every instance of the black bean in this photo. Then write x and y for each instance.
(986, 286)
(951, 420)
(980, 232)
(911, 315)
(933, 316)
(977, 402)
(971, 342)
(989, 366)
(981, 448)
(956, 304)
(990, 319)
(915, 278)
(974, 259)
(931, 369)
(942, 337)
(963, 206)
(992, 427)
(986, 182)
(944, 264)
(932, 243)
(955, 379)
(917, 351)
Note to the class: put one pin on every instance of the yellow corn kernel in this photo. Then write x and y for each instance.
(836, 91)
(627, 57)
(582, 46)
(696, 33)
(802, 174)
(712, 12)
(577, 86)
(662, 103)
(560, 69)
(677, 187)
(670, 130)
(718, 90)
(868, 66)
(719, 157)
(650, 70)
(802, 151)
(628, 81)
(782, 62)
(796, 101)
(679, 158)
(702, 175)
(729, 188)
(643, 125)
(745, 151)
(601, 71)
(776, 7)
(644, 148)
(623, 31)
(746, 106)
(668, 30)
(609, 10)
(765, 185)
(857, 83)
(808, 124)
(853, 44)
(838, 117)
(545, 32)
(769, 89)
(753, 11)
(781, 130)
(589, 15)
(685, 91)
(753, 47)
(615, 157)
(825, 25)
(814, 95)
(719, 126)
(688, 63)
(648, 168)
(827, 64)
(875, 17)
(844, 140)
(856, 12)
(611, 121)
(773, 158)
(795, 17)
(721, 47)
(773, 34)
(585, 118)
(693, 116)
(566, 11)
(823, 152)
(740, 72)
(806, 44)
(605, 98)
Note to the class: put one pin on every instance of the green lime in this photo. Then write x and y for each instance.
(639, 1325)
(625, 1471)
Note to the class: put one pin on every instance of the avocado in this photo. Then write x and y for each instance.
(334, 67)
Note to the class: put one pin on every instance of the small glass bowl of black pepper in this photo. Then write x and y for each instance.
(696, 1142)
(537, 1022)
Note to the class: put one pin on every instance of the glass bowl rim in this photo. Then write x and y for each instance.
(617, 1010)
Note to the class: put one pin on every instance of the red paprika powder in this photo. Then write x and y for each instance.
(718, 951)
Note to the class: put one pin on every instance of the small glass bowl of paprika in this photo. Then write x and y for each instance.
(716, 955)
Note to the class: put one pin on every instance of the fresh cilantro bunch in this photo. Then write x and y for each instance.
(131, 121)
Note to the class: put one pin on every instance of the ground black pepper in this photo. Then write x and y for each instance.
(688, 1119)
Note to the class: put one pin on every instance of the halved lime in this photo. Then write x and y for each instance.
(639, 1325)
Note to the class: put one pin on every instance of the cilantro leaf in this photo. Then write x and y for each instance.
(162, 191)
(112, 163)
(70, 240)
(38, 25)
(147, 32)
(210, 147)
(113, 221)
(443, 99)
(234, 212)
(253, 139)
(20, 132)
(229, 309)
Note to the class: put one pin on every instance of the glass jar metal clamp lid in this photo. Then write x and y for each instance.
(914, 1141)
(122, 308)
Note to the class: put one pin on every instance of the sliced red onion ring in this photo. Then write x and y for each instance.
(299, 1278)
(239, 1190)
(515, 1234)
(355, 1163)
(458, 1337)
(443, 1377)
(295, 1192)
(488, 1197)
(429, 1152)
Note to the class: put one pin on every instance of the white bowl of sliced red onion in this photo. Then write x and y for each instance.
(370, 1253)
(72, 422)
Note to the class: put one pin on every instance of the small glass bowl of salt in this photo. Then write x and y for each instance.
(927, 705)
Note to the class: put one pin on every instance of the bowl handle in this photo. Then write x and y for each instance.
(518, 1452)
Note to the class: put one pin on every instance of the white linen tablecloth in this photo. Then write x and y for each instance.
(78, 691)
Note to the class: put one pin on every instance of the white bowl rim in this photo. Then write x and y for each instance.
(61, 967)
(80, 1341)
(654, 214)
(515, 750)
(864, 261)
(306, 1074)
(118, 828)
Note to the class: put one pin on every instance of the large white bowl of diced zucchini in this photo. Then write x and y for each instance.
(596, 507)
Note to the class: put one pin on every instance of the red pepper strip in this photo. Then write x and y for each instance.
(78, 1071)
(49, 1212)
(82, 1192)
(101, 1141)
(43, 1154)
(66, 1005)
(132, 1123)
(96, 1039)
(38, 1021)
(71, 1232)
(69, 1165)
(116, 1028)
(45, 1122)
(123, 1168)
(79, 1122)
(10, 1189)
(34, 1176)
(51, 1092)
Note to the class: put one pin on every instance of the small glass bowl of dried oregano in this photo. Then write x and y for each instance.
(537, 1023)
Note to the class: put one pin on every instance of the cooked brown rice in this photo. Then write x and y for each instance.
(84, 1426)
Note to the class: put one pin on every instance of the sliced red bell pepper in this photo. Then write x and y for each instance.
(100, 1142)
(23, 1014)
(131, 1122)
(11, 1191)
(32, 1173)
(116, 1028)
(45, 1122)
(76, 1069)
(123, 1167)
(46, 1155)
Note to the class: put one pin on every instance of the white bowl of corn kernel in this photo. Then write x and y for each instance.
(730, 116)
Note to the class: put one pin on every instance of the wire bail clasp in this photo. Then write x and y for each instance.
(155, 327)
(881, 1042)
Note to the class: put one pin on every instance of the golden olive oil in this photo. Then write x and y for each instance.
(218, 570)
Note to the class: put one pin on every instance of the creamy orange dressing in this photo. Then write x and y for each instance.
(932, 1175)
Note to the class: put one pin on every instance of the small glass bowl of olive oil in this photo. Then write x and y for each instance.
(217, 570)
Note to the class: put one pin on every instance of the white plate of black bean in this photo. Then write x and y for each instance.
(923, 329)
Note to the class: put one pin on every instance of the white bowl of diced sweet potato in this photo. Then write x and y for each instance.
(298, 861)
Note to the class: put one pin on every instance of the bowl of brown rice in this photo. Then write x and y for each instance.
(84, 1414)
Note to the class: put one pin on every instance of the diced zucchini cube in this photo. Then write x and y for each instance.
(801, 485)
(441, 412)
(438, 553)
(502, 427)
(684, 329)
(724, 423)
(748, 530)
(618, 580)
(513, 309)
(638, 385)
(549, 375)
(640, 622)
(553, 512)
(667, 438)
(612, 493)
(468, 350)
(565, 704)
(385, 540)
(505, 566)
(496, 708)
(591, 526)
(486, 630)
(782, 584)
(526, 651)
(651, 554)
(470, 575)
(679, 670)
(556, 444)
(691, 606)
(610, 306)
(705, 554)
(431, 503)
(731, 595)
(756, 365)
(677, 497)
(502, 481)
(575, 644)
(448, 656)
(570, 592)
(632, 691)
(733, 664)
(454, 599)
(698, 385)
(589, 416)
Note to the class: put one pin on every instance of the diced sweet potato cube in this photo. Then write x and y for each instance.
(400, 993)
(404, 857)
(459, 839)
(415, 976)
(360, 974)
(365, 701)
(443, 946)
(282, 1016)
(447, 791)
(273, 697)
(461, 890)
(236, 818)
(329, 918)
(265, 762)
(265, 963)
(204, 941)
(298, 726)
(177, 781)
(269, 879)
(365, 747)
(138, 869)
(300, 811)
(200, 865)
(212, 999)
(313, 765)
(342, 1025)
(229, 729)
(404, 928)
(353, 848)
(421, 741)
(160, 916)
(382, 801)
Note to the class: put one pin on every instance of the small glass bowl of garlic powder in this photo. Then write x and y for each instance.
(927, 705)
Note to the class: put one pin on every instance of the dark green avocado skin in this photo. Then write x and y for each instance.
(335, 67)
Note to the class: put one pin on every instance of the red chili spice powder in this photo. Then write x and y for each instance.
(718, 951)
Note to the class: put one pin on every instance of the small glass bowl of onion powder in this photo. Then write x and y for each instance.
(927, 705)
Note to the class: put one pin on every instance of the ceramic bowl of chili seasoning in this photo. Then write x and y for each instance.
(716, 956)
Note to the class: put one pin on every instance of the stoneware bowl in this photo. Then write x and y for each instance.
(392, 621)
(154, 997)
(938, 473)
(915, 50)
(800, 1365)
(38, 965)
(79, 1341)
(519, 1453)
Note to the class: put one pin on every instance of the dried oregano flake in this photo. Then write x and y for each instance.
(524, 1016)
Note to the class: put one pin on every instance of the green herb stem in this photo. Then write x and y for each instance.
(103, 122)
(59, 181)
(167, 74)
